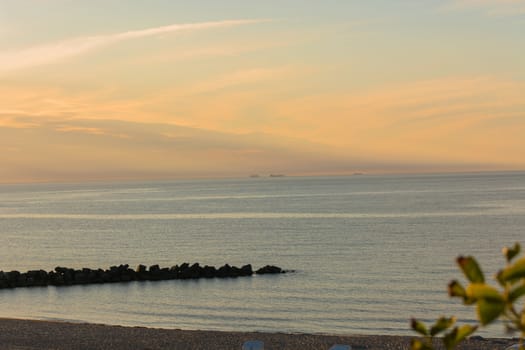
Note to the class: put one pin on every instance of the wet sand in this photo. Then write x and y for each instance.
(28, 334)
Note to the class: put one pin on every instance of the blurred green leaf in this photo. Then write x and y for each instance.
(455, 289)
(510, 253)
(465, 331)
(517, 293)
(471, 269)
(491, 303)
(419, 327)
(452, 339)
(442, 324)
(482, 291)
(513, 272)
(417, 344)
(449, 340)
(489, 310)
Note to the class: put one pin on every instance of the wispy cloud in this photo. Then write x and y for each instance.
(225, 50)
(491, 7)
(60, 51)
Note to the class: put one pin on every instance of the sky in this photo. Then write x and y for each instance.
(161, 89)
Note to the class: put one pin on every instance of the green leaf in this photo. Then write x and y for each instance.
(465, 331)
(452, 339)
(417, 344)
(471, 269)
(419, 327)
(513, 272)
(455, 289)
(482, 291)
(489, 310)
(517, 293)
(510, 253)
(442, 324)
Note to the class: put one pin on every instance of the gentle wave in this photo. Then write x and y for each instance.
(215, 216)
(502, 210)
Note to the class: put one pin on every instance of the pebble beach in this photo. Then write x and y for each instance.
(31, 334)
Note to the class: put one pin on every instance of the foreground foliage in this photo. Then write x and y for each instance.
(491, 303)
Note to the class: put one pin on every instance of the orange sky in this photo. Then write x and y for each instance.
(164, 90)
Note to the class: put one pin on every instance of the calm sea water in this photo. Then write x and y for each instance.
(370, 251)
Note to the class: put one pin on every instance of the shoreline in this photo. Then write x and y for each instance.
(35, 334)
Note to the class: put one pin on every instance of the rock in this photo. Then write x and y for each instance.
(246, 270)
(3, 280)
(63, 276)
(209, 272)
(13, 275)
(269, 269)
(195, 271)
(164, 274)
(141, 273)
(80, 277)
(94, 276)
(224, 271)
(55, 278)
(106, 277)
(37, 278)
(128, 275)
(61, 270)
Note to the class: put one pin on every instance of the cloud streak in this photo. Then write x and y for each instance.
(60, 51)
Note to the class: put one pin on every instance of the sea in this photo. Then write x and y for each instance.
(369, 252)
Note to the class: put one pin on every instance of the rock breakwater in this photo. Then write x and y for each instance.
(63, 276)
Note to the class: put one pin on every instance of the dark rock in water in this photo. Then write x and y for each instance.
(225, 271)
(40, 277)
(196, 271)
(246, 270)
(128, 275)
(269, 269)
(106, 277)
(61, 270)
(80, 277)
(164, 274)
(13, 276)
(55, 279)
(141, 273)
(209, 271)
(22, 280)
(154, 273)
(63, 276)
